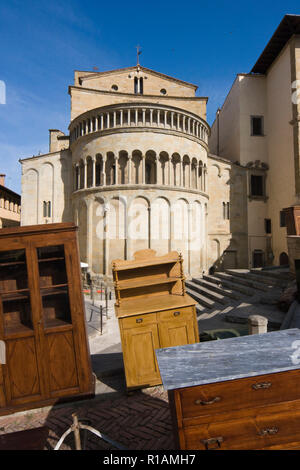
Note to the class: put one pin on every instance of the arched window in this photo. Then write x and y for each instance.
(138, 86)
(47, 208)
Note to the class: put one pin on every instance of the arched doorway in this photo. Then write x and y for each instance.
(283, 259)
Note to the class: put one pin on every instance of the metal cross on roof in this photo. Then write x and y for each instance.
(138, 52)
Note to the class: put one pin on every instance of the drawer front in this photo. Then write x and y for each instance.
(237, 394)
(257, 433)
(177, 313)
(138, 320)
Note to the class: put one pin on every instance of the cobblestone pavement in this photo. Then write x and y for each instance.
(138, 421)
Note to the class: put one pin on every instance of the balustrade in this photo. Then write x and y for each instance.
(139, 115)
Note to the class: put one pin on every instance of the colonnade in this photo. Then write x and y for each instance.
(140, 168)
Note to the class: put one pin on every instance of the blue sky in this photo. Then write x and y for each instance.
(43, 42)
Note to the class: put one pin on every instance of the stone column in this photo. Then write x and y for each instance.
(94, 172)
(85, 174)
(144, 117)
(143, 169)
(103, 174)
(121, 117)
(129, 168)
(116, 170)
(257, 324)
(180, 172)
(106, 267)
(89, 203)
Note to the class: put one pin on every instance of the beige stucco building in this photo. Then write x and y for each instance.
(10, 206)
(258, 127)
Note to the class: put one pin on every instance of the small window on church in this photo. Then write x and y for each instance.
(163, 91)
(47, 208)
(115, 87)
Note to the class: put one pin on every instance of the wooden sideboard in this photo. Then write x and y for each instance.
(153, 312)
(42, 320)
(236, 394)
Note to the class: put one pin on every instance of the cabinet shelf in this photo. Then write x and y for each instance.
(14, 295)
(58, 258)
(144, 264)
(128, 284)
(12, 263)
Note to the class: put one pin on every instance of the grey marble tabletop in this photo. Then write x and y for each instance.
(228, 359)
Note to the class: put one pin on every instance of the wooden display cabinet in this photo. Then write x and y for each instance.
(153, 311)
(292, 220)
(42, 319)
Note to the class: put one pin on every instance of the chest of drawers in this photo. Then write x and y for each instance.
(238, 393)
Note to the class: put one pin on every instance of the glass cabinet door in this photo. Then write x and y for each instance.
(14, 292)
(53, 283)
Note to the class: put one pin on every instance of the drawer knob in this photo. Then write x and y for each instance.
(139, 320)
(213, 443)
(261, 385)
(208, 402)
(176, 314)
(269, 431)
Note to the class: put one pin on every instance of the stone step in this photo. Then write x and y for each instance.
(268, 280)
(278, 274)
(220, 290)
(240, 279)
(207, 292)
(227, 283)
(200, 299)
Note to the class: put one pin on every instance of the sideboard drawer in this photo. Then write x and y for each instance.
(240, 393)
(175, 313)
(255, 433)
(138, 320)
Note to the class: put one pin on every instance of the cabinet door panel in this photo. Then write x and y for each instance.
(23, 374)
(63, 374)
(2, 394)
(177, 331)
(139, 356)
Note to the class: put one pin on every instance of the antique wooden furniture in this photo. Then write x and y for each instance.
(292, 220)
(42, 318)
(153, 311)
(237, 393)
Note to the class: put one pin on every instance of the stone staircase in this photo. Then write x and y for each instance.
(226, 299)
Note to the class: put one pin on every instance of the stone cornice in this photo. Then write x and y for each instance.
(125, 130)
(117, 93)
(136, 68)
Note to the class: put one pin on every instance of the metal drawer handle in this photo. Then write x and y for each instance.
(176, 314)
(266, 431)
(213, 443)
(139, 320)
(261, 385)
(209, 402)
